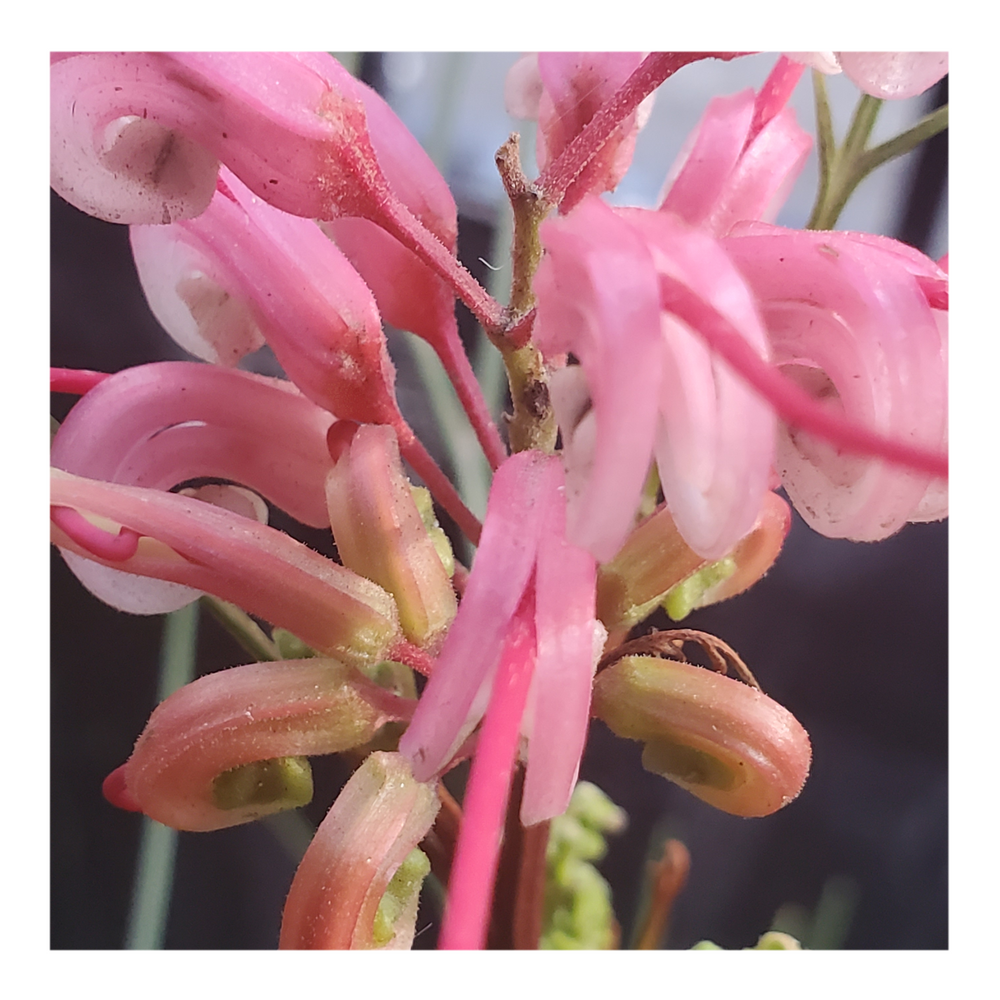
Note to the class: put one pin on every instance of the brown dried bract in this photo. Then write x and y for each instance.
(670, 645)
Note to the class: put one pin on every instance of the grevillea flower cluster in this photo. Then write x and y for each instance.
(670, 369)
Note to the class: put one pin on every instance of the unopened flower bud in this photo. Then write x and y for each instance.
(363, 852)
(725, 742)
(227, 748)
(382, 536)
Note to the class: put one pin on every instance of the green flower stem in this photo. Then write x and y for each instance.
(147, 921)
(242, 628)
(533, 423)
(842, 170)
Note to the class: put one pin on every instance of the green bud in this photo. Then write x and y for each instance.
(425, 507)
(274, 785)
(706, 946)
(776, 941)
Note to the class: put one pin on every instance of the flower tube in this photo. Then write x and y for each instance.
(186, 541)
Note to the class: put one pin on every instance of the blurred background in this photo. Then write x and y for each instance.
(851, 638)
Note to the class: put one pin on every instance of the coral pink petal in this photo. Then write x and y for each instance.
(74, 381)
(312, 307)
(162, 424)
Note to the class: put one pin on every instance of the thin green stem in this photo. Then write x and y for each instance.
(151, 892)
(928, 127)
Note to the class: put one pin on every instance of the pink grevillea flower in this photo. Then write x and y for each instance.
(225, 749)
(521, 650)
(888, 75)
(276, 275)
(367, 838)
(851, 319)
(563, 91)
(742, 159)
(652, 384)
(136, 137)
(203, 547)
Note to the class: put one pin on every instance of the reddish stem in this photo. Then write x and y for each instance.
(404, 651)
(463, 378)
(470, 888)
(411, 448)
(97, 541)
(792, 404)
(652, 71)
(74, 381)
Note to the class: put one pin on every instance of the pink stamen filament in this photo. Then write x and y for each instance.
(97, 541)
(463, 378)
(791, 403)
(74, 381)
(473, 872)
(404, 651)
(773, 95)
(651, 72)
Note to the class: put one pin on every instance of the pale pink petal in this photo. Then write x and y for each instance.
(575, 86)
(459, 689)
(850, 323)
(715, 446)
(261, 570)
(162, 424)
(312, 307)
(597, 298)
(379, 817)
(824, 62)
(239, 716)
(741, 161)
(558, 711)
(522, 88)
(894, 75)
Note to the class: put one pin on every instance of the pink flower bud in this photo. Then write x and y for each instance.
(887, 75)
(226, 748)
(722, 740)
(381, 536)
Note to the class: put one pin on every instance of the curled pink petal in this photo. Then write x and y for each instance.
(715, 445)
(851, 325)
(159, 425)
(137, 137)
(264, 571)
(597, 297)
(312, 307)
(742, 159)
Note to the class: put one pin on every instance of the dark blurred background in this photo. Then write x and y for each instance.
(852, 638)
